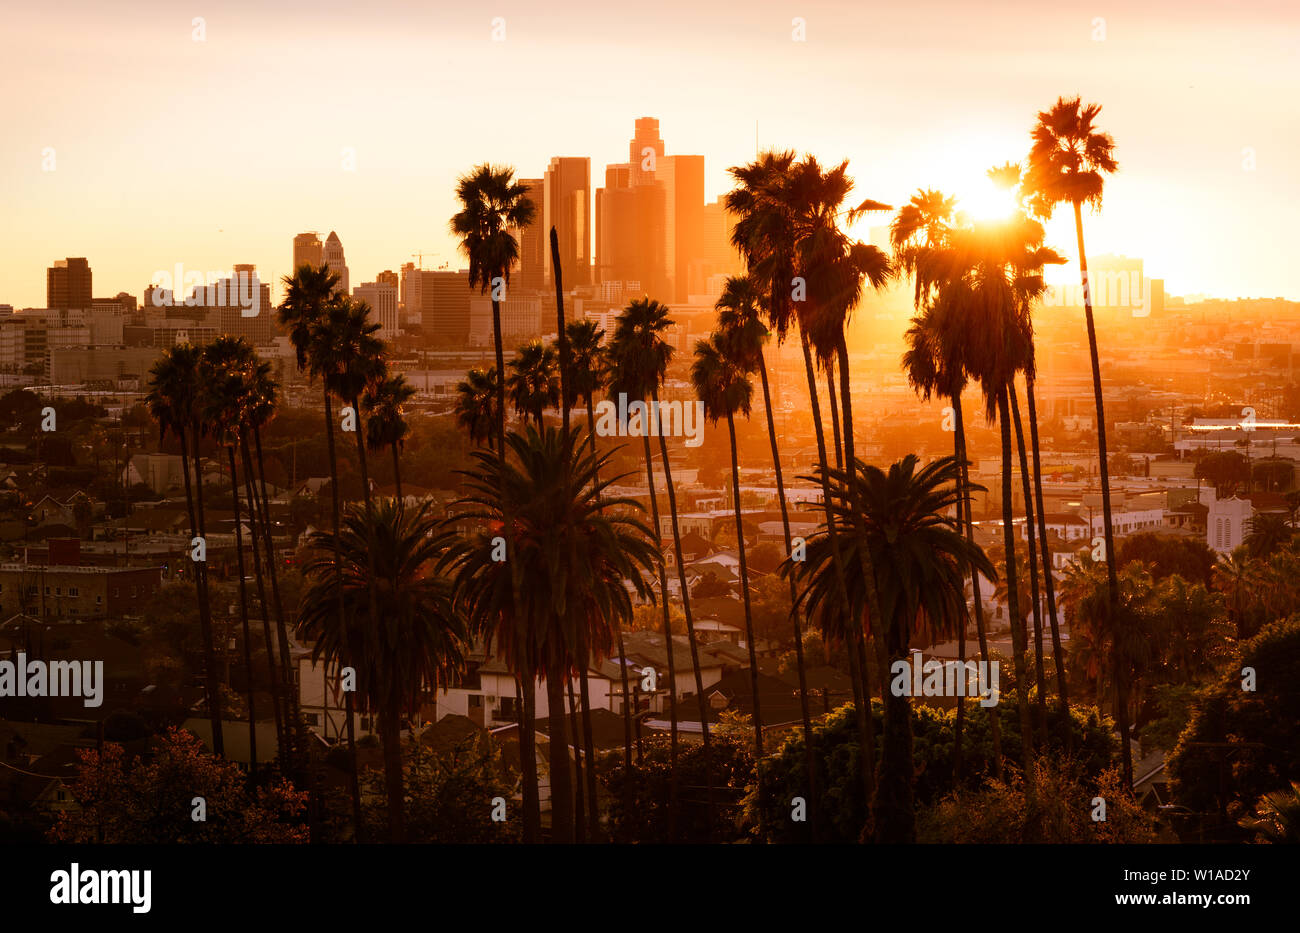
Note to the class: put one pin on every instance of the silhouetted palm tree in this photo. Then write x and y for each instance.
(533, 384)
(1066, 164)
(920, 558)
(407, 642)
(173, 402)
(577, 547)
(723, 385)
(639, 356)
(386, 424)
(477, 398)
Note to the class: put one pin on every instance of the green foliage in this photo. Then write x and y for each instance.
(449, 796)
(151, 801)
(1059, 812)
(784, 773)
(644, 818)
(1225, 714)
(1166, 555)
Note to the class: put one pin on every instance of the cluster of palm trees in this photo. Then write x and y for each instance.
(539, 562)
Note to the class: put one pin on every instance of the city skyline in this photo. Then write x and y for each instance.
(203, 195)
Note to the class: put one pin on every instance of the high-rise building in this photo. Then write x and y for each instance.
(567, 208)
(534, 242)
(653, 230)
(68, 284)
(336, 262)
(307, 250)
(444, 306)
(382, 298)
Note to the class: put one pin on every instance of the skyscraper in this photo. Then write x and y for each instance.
(567, 207)
(336, 262)
(382, 298)
(68, 284)
(534, 242)
(307, 250)
(651, 224)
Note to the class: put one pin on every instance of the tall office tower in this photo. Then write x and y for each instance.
(445, 299)
(238, 306)
(382, 298)
(567, 207)
(307, 250)
(630, 241)
(67, 284)
(715, 258)
(534, 243)
(388, 277)
(409, 296)
(334, 259)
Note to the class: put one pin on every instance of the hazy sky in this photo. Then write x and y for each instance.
(168, 150)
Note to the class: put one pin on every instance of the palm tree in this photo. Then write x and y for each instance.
(766, 234)
(308, 293)
(477, 398)
(1277, 817)
(1268, 533)
(406, 642)
(576, 548)
(1066, 164)
(534, 381)
(492, 205)
(173, 402)
(1008, 176)
(386, 425)
(640, 357)
(741, 309)
(587, 373)
(223, 400)
(723, 385)
(920, 557)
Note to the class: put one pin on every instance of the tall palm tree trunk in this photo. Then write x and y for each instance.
(744, 592)
(579, 804)
(392, 730)
(201, 514)
(243, 617)
(1112, 578)
(673, 787)
(835, 414)
(354, 785)
(853, 631)
(618, 628)
(205, 611)
(690, 621)
(810, 760)
(1058, 654)
(960, 717)
(561, 776)
(892, 810)
(290, 700)
(980, 631)
(271, 661)
(527, 739)
(1040, 706)
(1013, 593)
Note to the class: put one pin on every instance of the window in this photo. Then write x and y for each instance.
(58, 591)
(476, 701)
(98, 600)
(313, 719)
(116, 592)
(74, 591)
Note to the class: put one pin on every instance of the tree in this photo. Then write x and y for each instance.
(492, 205)
(576, 548)
(151, 801)
(477, 396)
(921, 557)
(534, 381)
(408, 641)
(639, 357)
(1066, 164)
(722, 384)
(386, 424)
(1270, 532)
(173, 403)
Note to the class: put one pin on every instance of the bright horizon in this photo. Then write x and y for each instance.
(212, 153)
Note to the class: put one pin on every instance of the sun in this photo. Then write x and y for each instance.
(984, 201)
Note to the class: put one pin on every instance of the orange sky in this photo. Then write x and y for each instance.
(167, 150)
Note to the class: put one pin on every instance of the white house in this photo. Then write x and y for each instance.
(1227, 523)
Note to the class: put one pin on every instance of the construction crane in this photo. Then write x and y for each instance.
(420, 256)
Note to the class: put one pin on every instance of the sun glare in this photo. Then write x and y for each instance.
(986, 201)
